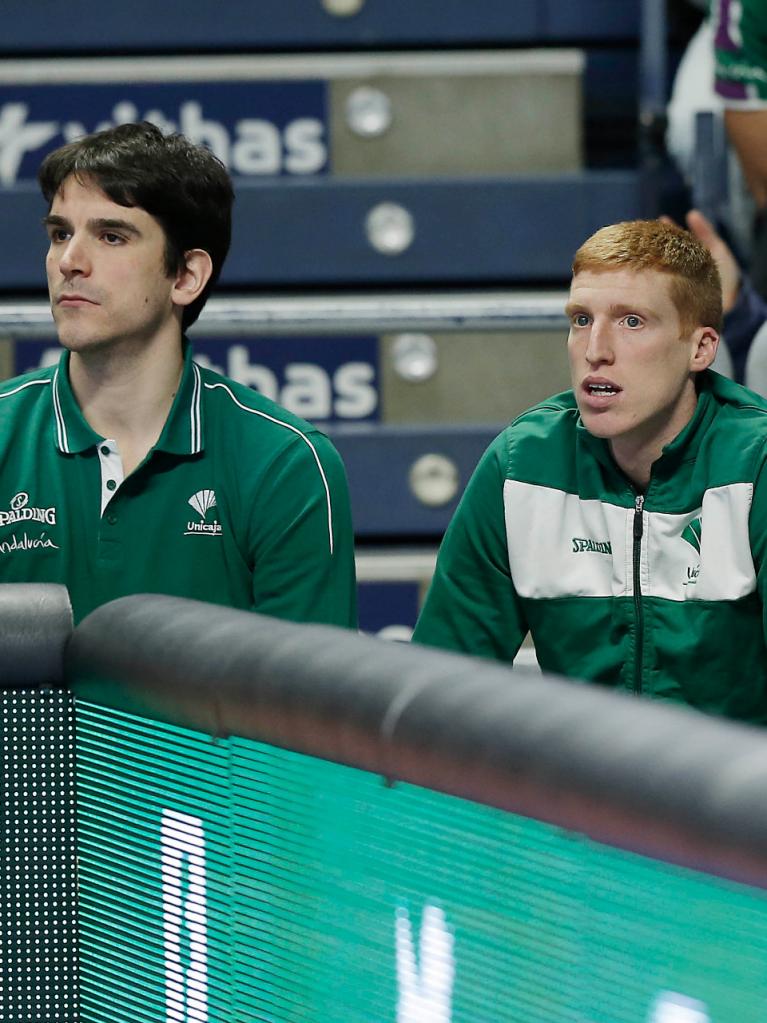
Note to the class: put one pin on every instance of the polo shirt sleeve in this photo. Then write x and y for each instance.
(301, 538)
(472, 606)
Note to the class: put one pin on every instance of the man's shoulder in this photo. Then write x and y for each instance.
(737, 401)
(538, 443)
(735, 441)
(560, 410)
(551, 420)
(239, 413)
(248, 405)
(29, 387)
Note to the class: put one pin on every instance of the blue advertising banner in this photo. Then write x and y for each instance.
(322, 379)
(255, 127)
(29, 355)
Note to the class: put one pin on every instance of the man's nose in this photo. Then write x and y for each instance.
(600, 346)
(74, 258)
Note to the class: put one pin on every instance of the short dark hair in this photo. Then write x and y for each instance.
(182, 185)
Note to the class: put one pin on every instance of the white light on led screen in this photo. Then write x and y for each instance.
(182, 855)
(425, 982)
(671, 1007)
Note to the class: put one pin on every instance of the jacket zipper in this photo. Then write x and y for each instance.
(638, 610)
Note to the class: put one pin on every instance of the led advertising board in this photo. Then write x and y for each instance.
(226, 880)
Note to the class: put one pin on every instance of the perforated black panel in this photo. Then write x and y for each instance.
(38, 970)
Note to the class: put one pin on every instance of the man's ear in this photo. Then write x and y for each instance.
(705, 344)
(192, 278)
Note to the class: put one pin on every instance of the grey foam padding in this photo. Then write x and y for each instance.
(35, 625)
(662, 780)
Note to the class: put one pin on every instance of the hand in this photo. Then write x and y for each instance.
(729, 271)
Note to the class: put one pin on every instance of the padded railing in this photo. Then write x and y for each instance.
(661, 780)
(36, 626)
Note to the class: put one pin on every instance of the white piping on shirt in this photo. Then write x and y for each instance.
(303, 437)
(195, 412)
(21, 387)
(61, 426)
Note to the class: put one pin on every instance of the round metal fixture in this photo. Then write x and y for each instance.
(434, 480)
(390, 228)
(368, 112)
(414, 357)
(343, 8)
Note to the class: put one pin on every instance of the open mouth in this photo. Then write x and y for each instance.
(602, 390)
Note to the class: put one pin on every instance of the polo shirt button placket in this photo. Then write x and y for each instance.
(111, 478)
(110, 541)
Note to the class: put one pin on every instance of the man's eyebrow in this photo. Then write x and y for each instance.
(113, 224)
(617, 309)
(623, 309)
(574, 307)
(51, 220)
(95, 224)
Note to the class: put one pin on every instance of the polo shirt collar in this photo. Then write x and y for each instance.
(181, 435)
(73, 434)
(183, 430)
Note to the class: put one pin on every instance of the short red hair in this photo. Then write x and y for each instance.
(665, 248)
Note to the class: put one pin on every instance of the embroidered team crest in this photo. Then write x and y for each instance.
(202, 502)
(692, 534)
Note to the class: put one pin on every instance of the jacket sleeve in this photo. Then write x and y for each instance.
(301, 538)
(757, 528)
(472, 606)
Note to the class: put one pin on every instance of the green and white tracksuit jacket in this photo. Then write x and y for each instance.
(661, 593)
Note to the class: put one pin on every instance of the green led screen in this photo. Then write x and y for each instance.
(229, 881)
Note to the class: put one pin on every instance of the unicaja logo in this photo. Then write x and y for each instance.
(21, 512)
(202, 502)
(693, 533)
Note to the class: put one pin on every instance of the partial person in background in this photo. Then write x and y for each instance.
(693, 93)
(745, 311)
(740, 39)
(127, 468)
(623, 523)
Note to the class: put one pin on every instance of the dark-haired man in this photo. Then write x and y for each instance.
(623, 523)
(128, 468)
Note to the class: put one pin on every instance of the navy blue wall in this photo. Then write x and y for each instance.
(47, 26)
(311, 232)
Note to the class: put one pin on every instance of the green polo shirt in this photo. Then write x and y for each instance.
(238, 503)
